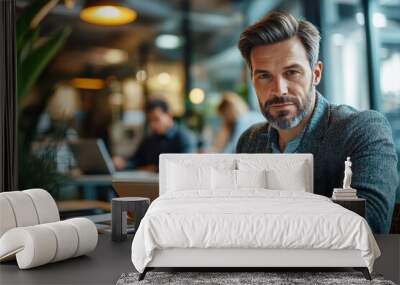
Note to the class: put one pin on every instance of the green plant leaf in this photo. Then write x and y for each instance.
(32, 67)
(27, 44)
(39, 169)
(31, 17)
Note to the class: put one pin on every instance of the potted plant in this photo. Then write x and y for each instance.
(34, 53)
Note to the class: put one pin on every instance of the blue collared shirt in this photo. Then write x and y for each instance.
(293, 144)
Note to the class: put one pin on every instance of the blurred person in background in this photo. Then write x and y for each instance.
(96, 117)
(165, 137)
(235, 119)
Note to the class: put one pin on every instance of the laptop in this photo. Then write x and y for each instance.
(93, 158)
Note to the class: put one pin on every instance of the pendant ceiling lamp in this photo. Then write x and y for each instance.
(107, 13)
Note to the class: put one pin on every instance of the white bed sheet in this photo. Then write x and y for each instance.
(253, 218)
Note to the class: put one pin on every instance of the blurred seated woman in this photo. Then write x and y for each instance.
(235, 119)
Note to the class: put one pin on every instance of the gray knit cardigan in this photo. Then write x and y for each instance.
(341, 132)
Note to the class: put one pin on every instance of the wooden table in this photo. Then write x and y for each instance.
(129, 188)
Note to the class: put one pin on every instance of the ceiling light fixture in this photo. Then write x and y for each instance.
(379, 20)
(88, 83)
(360, 18)
(115, 56)
(168, 41)
(107, 13)
(141, 75)
(196, 96)
(164, 78)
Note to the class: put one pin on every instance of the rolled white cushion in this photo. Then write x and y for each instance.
(40, 244)
(23, 208)
(45, 205)
(66, 238)
(7, 218)
(87, 235)
(33, 246)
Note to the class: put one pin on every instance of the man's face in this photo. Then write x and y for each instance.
(159, 121)
(284, 82)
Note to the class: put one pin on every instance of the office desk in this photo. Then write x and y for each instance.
(90, 183)
(130, 188)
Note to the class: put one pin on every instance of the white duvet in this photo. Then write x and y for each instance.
(250, 219)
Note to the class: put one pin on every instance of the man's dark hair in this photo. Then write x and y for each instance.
(156, 103)
(276, 27)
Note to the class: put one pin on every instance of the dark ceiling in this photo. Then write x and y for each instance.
(212, 26)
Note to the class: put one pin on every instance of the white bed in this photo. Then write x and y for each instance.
(247, 210)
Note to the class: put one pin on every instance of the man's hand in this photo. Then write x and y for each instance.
(119, 162)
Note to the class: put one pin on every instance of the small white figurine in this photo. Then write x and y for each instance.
(347, 174)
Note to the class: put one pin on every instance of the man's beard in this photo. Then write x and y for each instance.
(280, 120)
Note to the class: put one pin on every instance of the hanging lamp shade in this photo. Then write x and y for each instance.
(107, 13)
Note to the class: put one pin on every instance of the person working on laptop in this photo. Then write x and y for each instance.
(165, 137)
(282, 55)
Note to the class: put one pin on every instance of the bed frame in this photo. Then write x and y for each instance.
(248, 259)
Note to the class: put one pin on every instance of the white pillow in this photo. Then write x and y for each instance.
(223, 179)
(251, 179)
(282, 173)
(188, 177)
(292, 179)
(227, 179)
(192, 173)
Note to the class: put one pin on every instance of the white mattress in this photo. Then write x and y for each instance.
(257, 218)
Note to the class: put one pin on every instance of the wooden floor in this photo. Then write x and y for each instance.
(110, 259)
(102, 266)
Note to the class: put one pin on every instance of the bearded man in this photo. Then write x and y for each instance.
(282, 54)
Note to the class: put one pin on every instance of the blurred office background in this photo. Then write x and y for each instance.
(100, 75)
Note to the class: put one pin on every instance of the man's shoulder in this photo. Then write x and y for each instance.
(357, 128)
(347, 116)
(252, 138)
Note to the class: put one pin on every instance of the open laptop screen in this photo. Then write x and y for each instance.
(92, 156)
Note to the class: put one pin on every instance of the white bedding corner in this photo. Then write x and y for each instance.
(252, 218)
